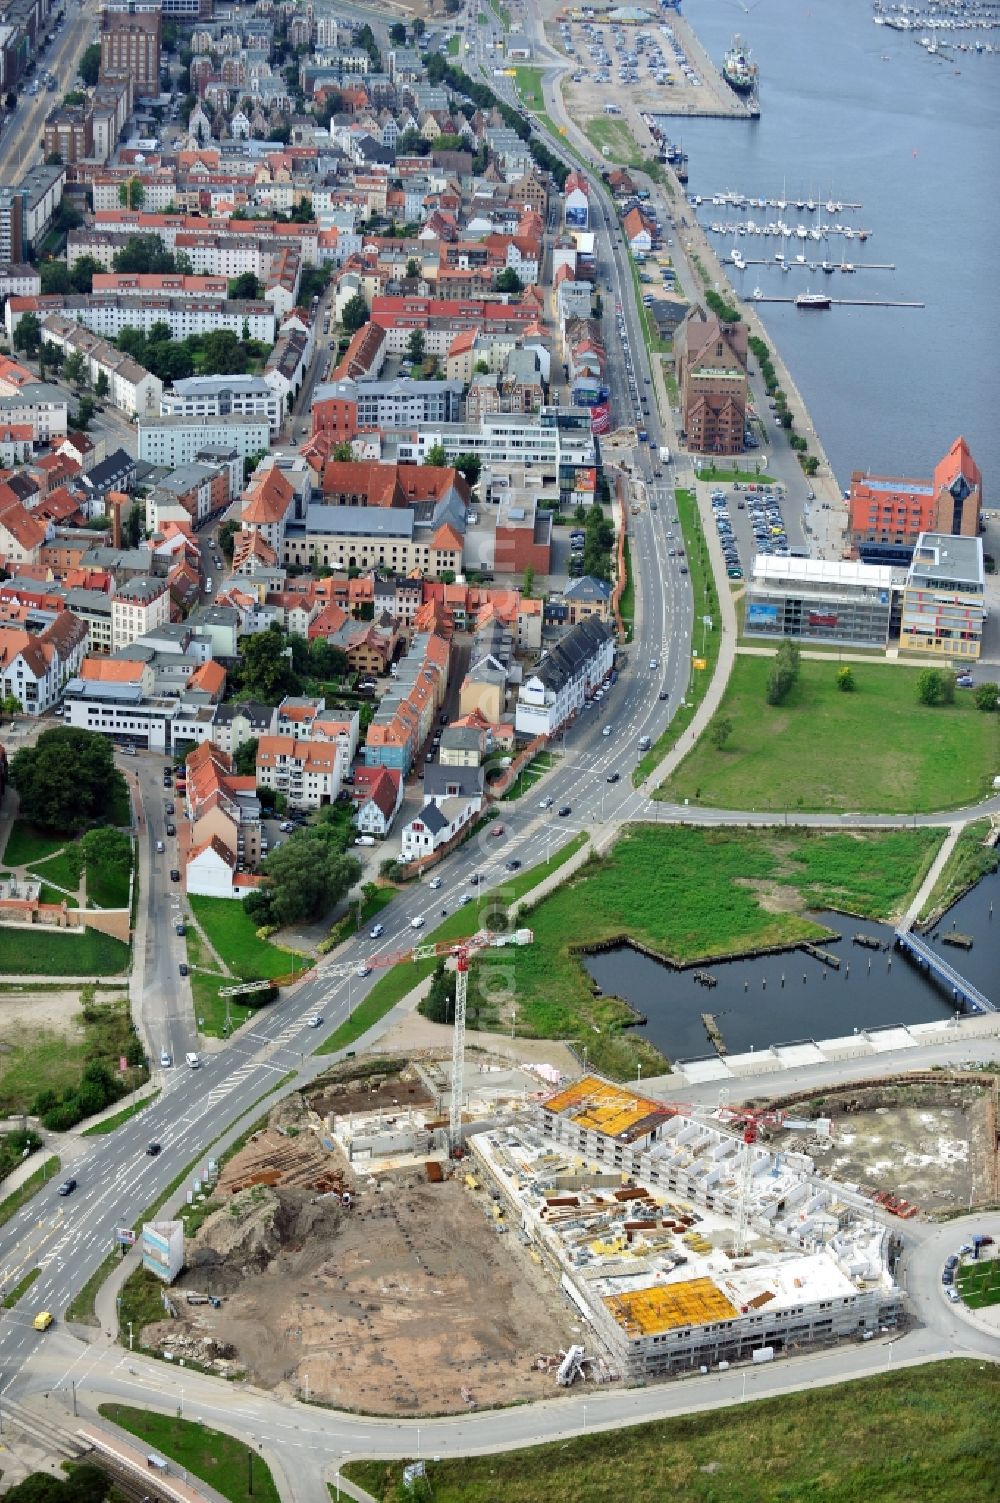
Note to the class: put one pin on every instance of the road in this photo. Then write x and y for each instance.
(21, 141)
(68, 1238)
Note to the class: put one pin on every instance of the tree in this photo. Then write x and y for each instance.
(527, 582)
(845, 680)
(75, 369)
(10, 705)
(481, 368)
(245, 288)
(67, 780)
(397, 34)
(436, 457)
(227, 535)
(222, 355)
(56, 278)
(53, 159)
(355, 314)
(412, 269)
(419, 27)
(342, 453)
(439, 1004)
(102, 385)
(85, 413)
(508, 281)
(469, 466)
(144, 253)
(245, 758)
(304, 878)
(265, 671)
(131, 193)
(90, 65)
(720, 730)
(324, 661)
(987, 696)
(784, 672)
(107, 848)
(415, 346)
(935, 687)
(27, 335)
(81, 273)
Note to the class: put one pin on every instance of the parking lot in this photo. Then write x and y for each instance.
(751, 520)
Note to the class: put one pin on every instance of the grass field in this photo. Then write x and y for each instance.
(979, 1283)
(929, 1433)
(226, 1464)
(969, 861)
(108, 1124)
(529, 775)
(20, 1288)
(627, 605)
(55, 952)
(454, 46)
(233, 935)
(38, 1059)
(49, 894)
(395, 984)
(24, 1192)
(874, 750)
(716, 473)
(528, 82)
(707, 639)
(622, 147)
(27, 844)
(107, 887)
(691, 893)
(64, 869)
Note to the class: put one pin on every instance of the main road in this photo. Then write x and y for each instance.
(67, 1238)
(21, 140)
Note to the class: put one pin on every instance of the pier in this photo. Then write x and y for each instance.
(796, 265)
(847, 302)
(966, 997)
(714, 1032)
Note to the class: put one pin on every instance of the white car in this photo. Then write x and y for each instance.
(546, 803)
(378, 931)
(416, 923)
(314, 1020)
(435, 882)
(166, 1059)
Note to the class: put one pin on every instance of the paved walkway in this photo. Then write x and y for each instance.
(937, 866)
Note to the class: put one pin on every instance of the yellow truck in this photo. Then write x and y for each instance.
(43, 1320)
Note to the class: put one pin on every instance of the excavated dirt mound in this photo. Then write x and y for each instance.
(409, 1301)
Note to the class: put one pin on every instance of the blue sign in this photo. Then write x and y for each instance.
(762, 615)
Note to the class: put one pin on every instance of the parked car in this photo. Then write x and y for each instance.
(183, 968)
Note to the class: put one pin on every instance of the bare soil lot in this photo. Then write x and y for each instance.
(929, 1144)
(408, 1300)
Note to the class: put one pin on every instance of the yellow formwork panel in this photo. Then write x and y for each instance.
(664, 1307)
(600, 1106)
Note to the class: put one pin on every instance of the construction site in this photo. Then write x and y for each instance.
(343, 1258)
(683, 1243)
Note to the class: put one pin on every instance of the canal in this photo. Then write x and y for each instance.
(774, 999)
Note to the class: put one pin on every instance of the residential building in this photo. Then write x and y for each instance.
(585, 597)
(888, 514)
(35, 668)
(307, 772)
(173, 441)
(137, 607)
(130, 45)
(377, 793)
(131, 387)
(555, 690)
(434, 827)
(944, 597)
(462, 745)
(222, 396)
(711, 360)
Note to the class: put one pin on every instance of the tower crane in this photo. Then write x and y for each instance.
(460, 950)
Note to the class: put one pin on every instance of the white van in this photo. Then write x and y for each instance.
(193, 1060)
(416, 923)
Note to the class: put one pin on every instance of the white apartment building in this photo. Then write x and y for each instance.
(222, 396)
(177, 440)
(564, 678)
(108, 314)
(137, 607)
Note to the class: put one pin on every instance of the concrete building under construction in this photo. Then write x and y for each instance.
(681, 1245)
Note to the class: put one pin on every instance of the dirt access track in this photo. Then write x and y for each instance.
(394, 1305)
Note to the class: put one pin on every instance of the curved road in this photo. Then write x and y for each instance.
(68, 1238)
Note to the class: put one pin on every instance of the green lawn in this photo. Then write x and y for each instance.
(929, 1433)
(49, 894)
(64, 869)
(107, 886)
(101, 1129)
(233, 935)
(722, 476)
(56, 952)
(876, 749)
(627, 605)
(968, 862)
(228, 1465)
(615, 134)
(707, 639)
(529, 775)
(40, 1059)
(24, 1192)
(27, 844)
(690, 893)
(395, 984)
(454, 45)
(979, 1283)
(528, 82)
(20, 1288)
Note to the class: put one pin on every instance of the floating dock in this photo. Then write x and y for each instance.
(847, 302)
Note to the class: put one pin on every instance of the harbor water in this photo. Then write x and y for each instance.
(855, 112)
(778, 999)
